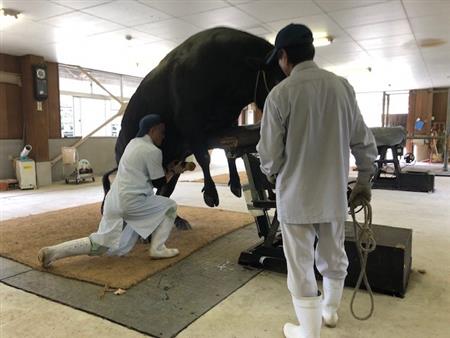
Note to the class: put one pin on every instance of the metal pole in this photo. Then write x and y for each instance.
(384, 107)
(387, 110)
(447, 132)
(99, 84)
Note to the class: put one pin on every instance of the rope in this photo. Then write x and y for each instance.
(365, 244)
(255, 92)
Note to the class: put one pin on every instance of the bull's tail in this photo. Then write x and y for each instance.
(106, 185)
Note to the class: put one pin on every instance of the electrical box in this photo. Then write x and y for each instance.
(26, 173)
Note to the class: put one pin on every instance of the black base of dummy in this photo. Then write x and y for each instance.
(388, 267)
(407, 181)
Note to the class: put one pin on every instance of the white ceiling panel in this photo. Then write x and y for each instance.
(229, 16)
(118, 38)
(127, 13)
(378, 30)
(277, 10)
(436, 58)
(432, 27)
(169, 29)
(183, 8)
(35, 9)
(386, 53)
(387, 42)
(341, 47)
(337, 5)
(386, 11)
(17, 44)
(317, 23)
(361, 58)
(375, 33)
(80, 4)
(418, 8)
(259, 31)
(30, 31)
(80, 24)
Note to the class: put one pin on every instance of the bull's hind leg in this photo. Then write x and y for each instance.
(166, 190)
(235, 181)
(209, 190)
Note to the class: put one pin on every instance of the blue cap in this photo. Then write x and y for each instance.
(291, 35)
(147, 122)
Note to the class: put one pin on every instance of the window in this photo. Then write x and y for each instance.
(371, 107)
(85, 105)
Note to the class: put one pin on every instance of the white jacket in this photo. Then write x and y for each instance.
(311, 120)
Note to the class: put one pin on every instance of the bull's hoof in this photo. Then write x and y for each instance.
(182, 224)
(236, 189)
(210, 196)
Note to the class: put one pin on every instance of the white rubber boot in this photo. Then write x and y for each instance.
(158, 249)
(332, 293)
(49, 254)
(309, 315)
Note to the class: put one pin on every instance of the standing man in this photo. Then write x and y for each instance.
(310, 122)
(131, 207)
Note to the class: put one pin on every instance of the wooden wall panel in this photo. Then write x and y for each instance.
(9, 63)
(35, 122)
(440, 106)
(54, 115)
(11, 121)
(424, 110)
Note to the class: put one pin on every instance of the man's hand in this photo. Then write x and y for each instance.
(176, 167)
(272, 179)
(361, 192)
(179, 167)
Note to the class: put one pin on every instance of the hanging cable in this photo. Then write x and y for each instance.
(365, 244)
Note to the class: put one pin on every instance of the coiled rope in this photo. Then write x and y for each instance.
(365, 244)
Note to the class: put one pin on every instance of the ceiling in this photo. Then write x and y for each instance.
(378, 45)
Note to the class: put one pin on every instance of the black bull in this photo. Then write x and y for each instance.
(199, 90)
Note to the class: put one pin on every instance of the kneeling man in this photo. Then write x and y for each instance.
(131, 207)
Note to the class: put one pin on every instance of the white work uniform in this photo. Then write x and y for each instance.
(311, 120)
(131, 208)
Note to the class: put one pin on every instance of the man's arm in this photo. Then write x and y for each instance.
(271, 144)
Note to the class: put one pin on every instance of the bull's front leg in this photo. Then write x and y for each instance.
(235, 181)
(209, 190)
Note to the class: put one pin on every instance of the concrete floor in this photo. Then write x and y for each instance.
(260, 307)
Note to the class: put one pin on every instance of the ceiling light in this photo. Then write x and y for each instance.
(8, 16)
(323, 41)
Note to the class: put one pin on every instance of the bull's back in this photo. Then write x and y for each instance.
(208, 69)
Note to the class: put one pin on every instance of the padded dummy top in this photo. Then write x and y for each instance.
(389, 136)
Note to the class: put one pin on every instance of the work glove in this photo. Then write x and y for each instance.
(360, 192)
(179, 167)
(272, 179)
(176, 167)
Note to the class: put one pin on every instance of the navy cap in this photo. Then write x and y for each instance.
(147, 122)
(291, 35)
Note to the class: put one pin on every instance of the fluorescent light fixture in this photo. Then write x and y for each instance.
(320, 39)
(323, 41)
(8, 17)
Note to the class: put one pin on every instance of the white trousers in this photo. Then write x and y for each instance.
(330, 256)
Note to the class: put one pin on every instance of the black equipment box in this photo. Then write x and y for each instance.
(388, 267)
(418, 181)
